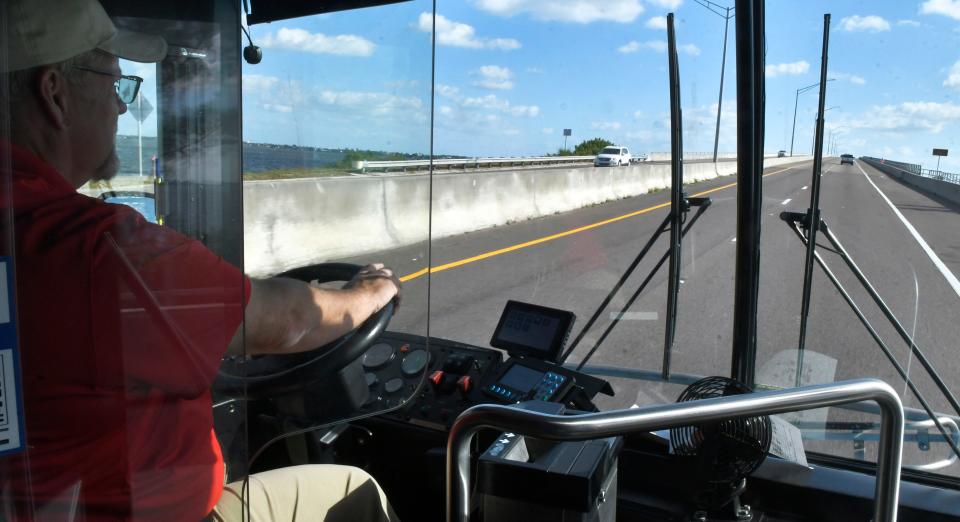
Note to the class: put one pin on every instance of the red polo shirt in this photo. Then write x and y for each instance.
(122, 325)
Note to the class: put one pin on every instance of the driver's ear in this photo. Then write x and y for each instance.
(53, 96)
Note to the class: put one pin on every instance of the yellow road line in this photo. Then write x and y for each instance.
(492, 253)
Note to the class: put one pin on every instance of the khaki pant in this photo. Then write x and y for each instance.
(316, 492)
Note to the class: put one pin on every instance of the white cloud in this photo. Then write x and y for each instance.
(842, 76)
(447, 91)
(258, 83)
(278, 108)
(493, 103)
(456, 34)
(548, 130)
(574, 11)
(606, 125)
(657, 22)
(300, 40)
(690, 49)
(634, 46)
(788, 69)
(534, 70)
(638, 115)
(656, 45)
(667, 4)
(911, 23)
(870, 23)
(525, 110)
(503, 44)
(953, 77)
(490, 101)
(494, 77)
(376, 103)
(446, 110)
(949, 8)
(909, 116)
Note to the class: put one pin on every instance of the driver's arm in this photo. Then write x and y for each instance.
(286, 315)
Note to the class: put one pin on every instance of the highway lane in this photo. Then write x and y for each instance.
(576, 271)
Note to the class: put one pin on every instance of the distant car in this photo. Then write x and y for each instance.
(612, 157)
(846, 158)
(781, 153)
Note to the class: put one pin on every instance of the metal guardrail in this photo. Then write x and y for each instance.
(918, 170)
(912, 168)
(619, 422)
(464, 163)
(940, 175)
(476, 163)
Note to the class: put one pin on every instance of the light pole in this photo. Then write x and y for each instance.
(813, 143)
(726, 15)
(795, 99)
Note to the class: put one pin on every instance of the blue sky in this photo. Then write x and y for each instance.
(512, 74)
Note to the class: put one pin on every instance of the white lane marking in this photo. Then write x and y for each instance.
(634, 316)
(788, 200)
(951, 279)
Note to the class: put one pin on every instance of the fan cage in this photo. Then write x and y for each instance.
(732, 447)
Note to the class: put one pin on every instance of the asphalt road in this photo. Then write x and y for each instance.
(577, 270)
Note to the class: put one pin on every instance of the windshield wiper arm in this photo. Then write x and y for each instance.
(796, 220)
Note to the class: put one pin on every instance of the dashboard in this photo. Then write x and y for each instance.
(442, 378)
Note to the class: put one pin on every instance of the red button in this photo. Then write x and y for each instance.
(404, 348)
(465, 384)
(436, 377)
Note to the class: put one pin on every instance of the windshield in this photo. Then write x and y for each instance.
(494, 96)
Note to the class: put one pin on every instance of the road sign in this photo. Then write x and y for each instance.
(939, 152)
(140, 108)
(567, 132)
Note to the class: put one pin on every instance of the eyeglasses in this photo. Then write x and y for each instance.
(127, 86)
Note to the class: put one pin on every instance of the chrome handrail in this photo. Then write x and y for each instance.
(620, 422)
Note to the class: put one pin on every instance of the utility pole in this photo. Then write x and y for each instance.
(800, 91)
(727, 14)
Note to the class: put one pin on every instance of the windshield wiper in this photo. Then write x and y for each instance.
(680, 205)
(799, 221)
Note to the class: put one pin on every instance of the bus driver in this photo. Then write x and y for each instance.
(118, 411)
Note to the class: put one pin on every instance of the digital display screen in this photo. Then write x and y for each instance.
(528, 329)
(521, 378)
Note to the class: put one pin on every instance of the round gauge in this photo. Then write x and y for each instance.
(414, 363)
(372, 379)
(393, 385)
(377, 356)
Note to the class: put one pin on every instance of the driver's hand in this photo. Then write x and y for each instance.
(380, 281)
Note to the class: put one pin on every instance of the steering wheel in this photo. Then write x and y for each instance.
(272, 375)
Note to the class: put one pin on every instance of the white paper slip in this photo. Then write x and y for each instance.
(786, 441)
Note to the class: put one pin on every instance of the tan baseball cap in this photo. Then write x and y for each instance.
(42, 32)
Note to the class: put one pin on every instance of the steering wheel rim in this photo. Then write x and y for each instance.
(272, 375)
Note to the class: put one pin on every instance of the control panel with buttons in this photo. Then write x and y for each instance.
(528, 379)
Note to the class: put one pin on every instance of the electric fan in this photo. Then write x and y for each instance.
(721, 454)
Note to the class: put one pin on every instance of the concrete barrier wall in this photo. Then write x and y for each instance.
(292, 223)
(943, 189)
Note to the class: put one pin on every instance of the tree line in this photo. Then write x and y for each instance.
(590, 147)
